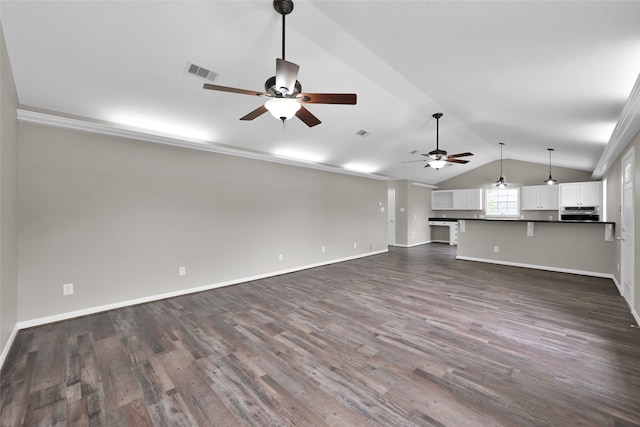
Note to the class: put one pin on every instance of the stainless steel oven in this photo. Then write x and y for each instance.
(580, 213)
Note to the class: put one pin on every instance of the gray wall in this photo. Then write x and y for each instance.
(517, 174)
(401, 217)
(413, 208)
(8, 197)
(117, 218)
(572, 247)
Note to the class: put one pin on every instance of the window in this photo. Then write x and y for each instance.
(503, 202)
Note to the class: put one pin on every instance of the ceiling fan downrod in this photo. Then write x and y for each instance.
(283, 7)
(437, 117)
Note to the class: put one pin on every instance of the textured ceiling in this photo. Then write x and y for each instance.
(531, 74)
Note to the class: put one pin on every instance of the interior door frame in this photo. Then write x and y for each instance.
(627, 232)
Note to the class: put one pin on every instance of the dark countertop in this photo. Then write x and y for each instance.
(519, 220)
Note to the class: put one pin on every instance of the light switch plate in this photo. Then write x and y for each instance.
(67, 289)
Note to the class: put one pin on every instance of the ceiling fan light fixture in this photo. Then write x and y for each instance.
(282, 108)
(437, 163)
(550, 180)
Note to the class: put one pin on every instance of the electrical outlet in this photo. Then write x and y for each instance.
(323, 249)
(182, 271)
(67, 289)
(280, 257)
(355, 246)
(496, 249)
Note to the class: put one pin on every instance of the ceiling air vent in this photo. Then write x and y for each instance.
(201, 72)
(362, 132)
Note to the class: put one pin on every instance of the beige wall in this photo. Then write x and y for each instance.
(614, 205)
(8, 197)
(118, 217)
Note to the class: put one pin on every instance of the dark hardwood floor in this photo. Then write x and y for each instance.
(412, 337)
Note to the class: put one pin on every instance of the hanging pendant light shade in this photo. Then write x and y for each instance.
(501, 182)
(550, 180)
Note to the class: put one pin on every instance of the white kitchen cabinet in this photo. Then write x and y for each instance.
(540, 198)
(468, 199)
(453, 229)
(581, 194)
(457, 200)
(442, 200)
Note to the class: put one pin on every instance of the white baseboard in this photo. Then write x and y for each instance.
(634, 313)
(7, 346)
(412, 245)
(97, 309)
(539, 267)
(635, 316)
(615, 281)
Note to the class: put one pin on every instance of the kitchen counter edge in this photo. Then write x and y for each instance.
(519, 220)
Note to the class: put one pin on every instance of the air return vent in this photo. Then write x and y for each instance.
(201, 72)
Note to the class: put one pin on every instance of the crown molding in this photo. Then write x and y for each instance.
(112, 129)
(627, 127)
(420, 184)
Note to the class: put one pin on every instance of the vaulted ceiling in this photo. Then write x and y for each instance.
(531, 74)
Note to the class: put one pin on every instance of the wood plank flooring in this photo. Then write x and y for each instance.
(409, 338)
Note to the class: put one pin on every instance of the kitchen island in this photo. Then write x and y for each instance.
(567, 246)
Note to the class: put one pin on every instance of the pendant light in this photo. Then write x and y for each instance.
(550, 180)
(501, 183)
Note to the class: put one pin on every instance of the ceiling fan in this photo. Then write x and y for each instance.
(438, 158)
(284, 90)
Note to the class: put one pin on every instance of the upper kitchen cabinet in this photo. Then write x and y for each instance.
(581, 194)
(458, 200)
(442, 200)
(467, 200)
(540, 198)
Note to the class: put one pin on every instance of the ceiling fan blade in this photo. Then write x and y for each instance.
(413, 161)
(460, 155)
(427, 165)
(306, 116)
(286, 76)
(328, 98)
(233, 90)
(450, 160)
(255, 113)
